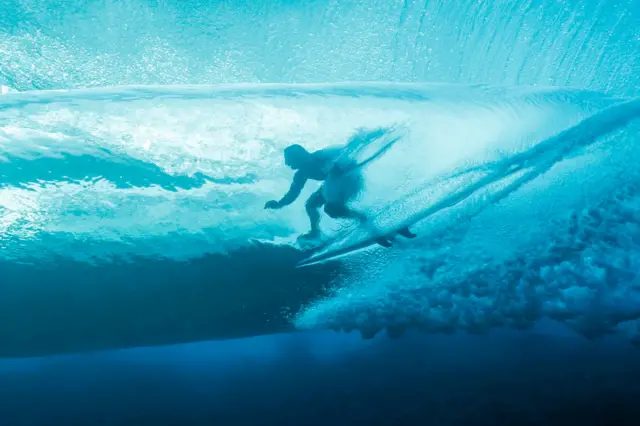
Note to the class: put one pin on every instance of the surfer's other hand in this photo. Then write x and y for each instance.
(273, 204)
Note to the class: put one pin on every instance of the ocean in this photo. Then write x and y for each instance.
(143, 283)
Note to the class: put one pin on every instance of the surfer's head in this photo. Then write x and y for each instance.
(295, 156)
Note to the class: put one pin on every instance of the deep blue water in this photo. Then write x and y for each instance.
(139, 141)
(506, 378)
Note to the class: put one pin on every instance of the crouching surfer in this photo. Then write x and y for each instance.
(341, 179)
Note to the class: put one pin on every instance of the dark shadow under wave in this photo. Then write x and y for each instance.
(507, 378)
(68, 306)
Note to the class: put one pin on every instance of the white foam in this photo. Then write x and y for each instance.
(6, 89)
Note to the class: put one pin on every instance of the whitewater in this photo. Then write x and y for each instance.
(127, 213)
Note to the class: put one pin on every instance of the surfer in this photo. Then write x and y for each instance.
(341, 183)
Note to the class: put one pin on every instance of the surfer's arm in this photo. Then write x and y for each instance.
(299, 180)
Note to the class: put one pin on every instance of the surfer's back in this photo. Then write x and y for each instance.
(321, 162)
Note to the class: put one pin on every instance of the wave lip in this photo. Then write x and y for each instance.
(144, 200)
(104, 44)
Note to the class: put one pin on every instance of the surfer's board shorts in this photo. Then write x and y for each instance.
(343, 183)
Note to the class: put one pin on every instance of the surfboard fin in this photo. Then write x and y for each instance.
(384, 242)
(405, 232)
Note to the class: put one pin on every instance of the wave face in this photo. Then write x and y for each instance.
(52, 44)
(126, 214)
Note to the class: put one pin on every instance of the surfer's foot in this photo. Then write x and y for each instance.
(405, 232)
(384, 242)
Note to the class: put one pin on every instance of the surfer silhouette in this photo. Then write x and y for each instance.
(341, 183)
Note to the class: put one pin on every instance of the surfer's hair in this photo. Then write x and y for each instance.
(294, 151)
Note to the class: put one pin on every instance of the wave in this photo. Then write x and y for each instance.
(101, 188)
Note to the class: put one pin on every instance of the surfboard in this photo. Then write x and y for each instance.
(356, 240)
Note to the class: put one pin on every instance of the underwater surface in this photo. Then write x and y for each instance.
(143, 282)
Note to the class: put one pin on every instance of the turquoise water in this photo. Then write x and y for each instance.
(139, 141)
(128, 169)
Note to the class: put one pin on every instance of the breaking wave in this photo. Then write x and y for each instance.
(526, 202)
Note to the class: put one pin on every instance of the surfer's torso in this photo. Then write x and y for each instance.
(321, 163)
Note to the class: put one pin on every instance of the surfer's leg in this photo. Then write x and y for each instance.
(341, 192)
(312, 206)
(341, 211)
